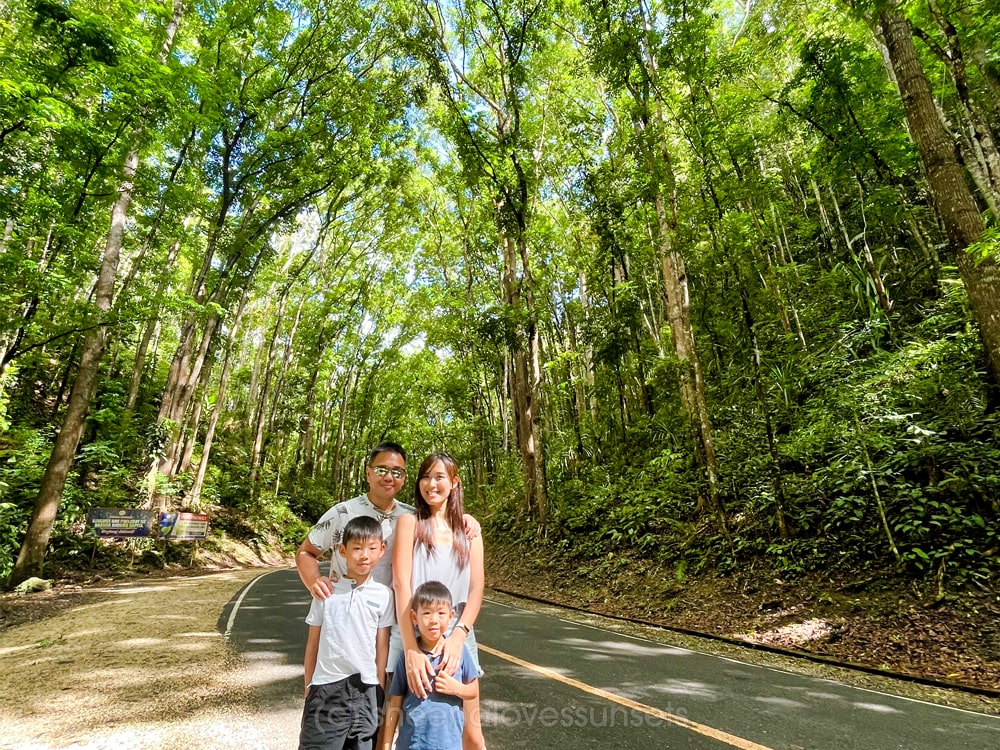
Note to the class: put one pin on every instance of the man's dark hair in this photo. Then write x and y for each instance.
(386, 447)
(361, 528)
(430, 592)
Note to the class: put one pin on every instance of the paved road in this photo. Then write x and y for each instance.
(552, 683)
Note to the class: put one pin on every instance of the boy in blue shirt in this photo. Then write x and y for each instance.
(434, 722)
(347, 648)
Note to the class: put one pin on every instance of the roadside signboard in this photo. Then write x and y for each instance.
(120, 522)
(183, 527)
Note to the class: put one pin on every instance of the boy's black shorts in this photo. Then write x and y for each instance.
(342, 714)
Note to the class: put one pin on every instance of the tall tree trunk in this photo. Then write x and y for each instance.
(260, 411)
(181, 391)
(286, 363)
(588, 352)
(650, 122)
(578, 397)
(692, 385)
(952, 198)
(535, 396)
(350, 380)
(513, 193)
(978, 142)
(504, 398)
(220, 402)
(264, 416)
(139, 365)
(31, 557)
(183, 463)
(777, 483)
(185, 367)
(322, 438)
(308, 445)
(8, 234)
(521, 380)
(147, 335)
(772, 280)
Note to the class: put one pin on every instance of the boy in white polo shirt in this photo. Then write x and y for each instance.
(347, 648)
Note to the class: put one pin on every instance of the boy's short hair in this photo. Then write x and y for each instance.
(430, 592)
(362, 528)
(385, 447)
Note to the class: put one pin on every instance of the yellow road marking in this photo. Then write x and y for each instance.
(702, 729)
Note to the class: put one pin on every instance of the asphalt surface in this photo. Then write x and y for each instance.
(552, 683)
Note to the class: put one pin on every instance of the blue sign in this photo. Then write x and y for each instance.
(121, 522)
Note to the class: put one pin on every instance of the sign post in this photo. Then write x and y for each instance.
(183, 527)
(119, 523)
(136, 523)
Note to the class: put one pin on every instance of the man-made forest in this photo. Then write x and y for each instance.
(708, 284)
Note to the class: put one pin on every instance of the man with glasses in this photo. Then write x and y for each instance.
(385, 471)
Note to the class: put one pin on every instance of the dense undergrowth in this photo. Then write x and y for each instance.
(890, 463)
(887, 459)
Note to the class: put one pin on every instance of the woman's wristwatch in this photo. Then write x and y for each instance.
(464, 627)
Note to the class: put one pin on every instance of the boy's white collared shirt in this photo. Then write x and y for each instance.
(349, 620)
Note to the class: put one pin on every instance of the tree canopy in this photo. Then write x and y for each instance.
(705, 282)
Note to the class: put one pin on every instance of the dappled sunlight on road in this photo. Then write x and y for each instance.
(809, 696)
(824, 696)
(609, 649)
(772, 700)
(879, 708)
(673, 687)
(273, 675)
(138, 642)
(116, 669)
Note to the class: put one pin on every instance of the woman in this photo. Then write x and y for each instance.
(431, 545)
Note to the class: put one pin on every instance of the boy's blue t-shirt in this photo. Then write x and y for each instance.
(433, 723)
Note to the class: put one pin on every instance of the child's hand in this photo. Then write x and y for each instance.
(447, 684)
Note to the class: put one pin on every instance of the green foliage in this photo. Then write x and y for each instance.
(79, 36)
(497, 505)
(988, 247)
(274, 520)
(22, 461)
(48, 642)
(322, 207)
(643, 509)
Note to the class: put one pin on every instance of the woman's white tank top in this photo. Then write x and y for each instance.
(440, 564)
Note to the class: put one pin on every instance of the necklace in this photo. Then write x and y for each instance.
(382, 515)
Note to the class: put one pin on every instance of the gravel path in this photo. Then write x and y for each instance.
(134, 666)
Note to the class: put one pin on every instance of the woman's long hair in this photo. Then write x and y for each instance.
(424, 531)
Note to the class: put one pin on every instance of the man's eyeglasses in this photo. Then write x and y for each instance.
(381, 471)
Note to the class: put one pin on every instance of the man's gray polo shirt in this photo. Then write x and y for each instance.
(329, 531)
